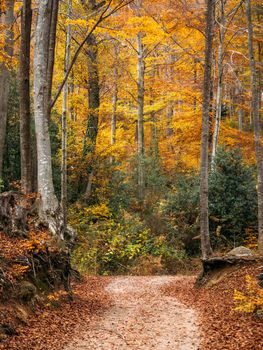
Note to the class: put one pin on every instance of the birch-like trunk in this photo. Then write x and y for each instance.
(140, 125)
(64, 182)
(257, 124)
(7, 20)
(49, 205)
(222, 31)
(27, 180)
(204, 215)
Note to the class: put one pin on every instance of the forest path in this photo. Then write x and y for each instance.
(141, 318)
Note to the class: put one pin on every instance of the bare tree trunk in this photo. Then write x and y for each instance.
(257, 125)
(114, 109)
(222, 31)
(204, 216)
(7, 19)
(170, 107)
(64, 182)
(94, 104)
(49, 205)
(140, 83)
(53, 18)
(240, 111)
(170, 113)
(24, 99)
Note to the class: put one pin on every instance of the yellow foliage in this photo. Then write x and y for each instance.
(251, 300)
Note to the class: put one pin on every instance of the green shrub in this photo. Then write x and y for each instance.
(232, 197)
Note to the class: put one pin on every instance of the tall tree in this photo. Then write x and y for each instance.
(49, 205)
(204, 215)
(64, 189)
(94, 104)
(257, 124)
(7, 20)
(220, 69)
(140, 126)
(24, 99)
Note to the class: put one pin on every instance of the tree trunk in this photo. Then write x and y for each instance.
(48, 201)
(222, 31)
(140, 83)
(114, 109)
(53, 19)
(24, 99)
(93, 119)
(204, 218)
(7, 19)
(257, 125)
(64, 182)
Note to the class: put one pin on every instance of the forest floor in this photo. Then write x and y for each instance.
(141, 317)
(144, 313)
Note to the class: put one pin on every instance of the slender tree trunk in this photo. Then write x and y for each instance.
(49, 205)
(114, 109)
(24, 99)
(240, 111)
(94, 104)
(170, 113)
(7, 20)
(53, 19)
(222, 31)
(204, 216)
(170, 107)
(141, 73)
(257, 124)
(64, 182)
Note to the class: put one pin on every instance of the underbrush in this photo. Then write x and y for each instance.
(121, 245)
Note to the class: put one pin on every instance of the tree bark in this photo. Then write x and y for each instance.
(24, 100)
(257, 124)
(140, 127)
(93, 119)
(222, 31)
(48, 201)
(114, 109)
(64, 182)
(53, 19)
(204, 217)
(7, 19)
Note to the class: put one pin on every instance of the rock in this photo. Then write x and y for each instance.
(27, 291)
(240, 251)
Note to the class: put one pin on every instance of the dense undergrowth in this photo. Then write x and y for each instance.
(118, 234)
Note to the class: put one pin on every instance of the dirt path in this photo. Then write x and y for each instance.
(141, 318)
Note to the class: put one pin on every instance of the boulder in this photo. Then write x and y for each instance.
(240, 251)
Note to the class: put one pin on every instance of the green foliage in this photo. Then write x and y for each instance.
(181, 209)
(232, 197)
(232, 203)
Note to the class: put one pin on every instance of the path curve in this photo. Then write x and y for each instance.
(141, 318)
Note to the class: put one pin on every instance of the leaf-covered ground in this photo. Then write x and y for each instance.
(145, 313)
(51, 329)
(222, 327)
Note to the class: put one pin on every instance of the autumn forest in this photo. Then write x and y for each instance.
(131, 174)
